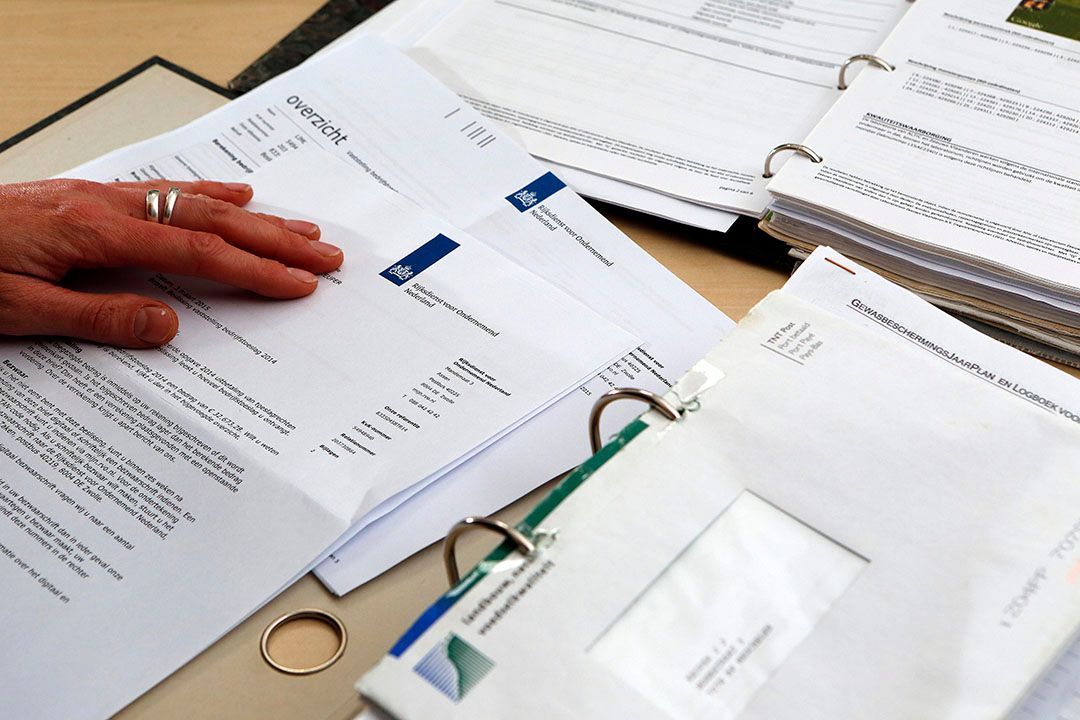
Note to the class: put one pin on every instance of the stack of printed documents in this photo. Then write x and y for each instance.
(914, 556)
(954, 174)
(406, 131)
(667, 106)
(481, 304)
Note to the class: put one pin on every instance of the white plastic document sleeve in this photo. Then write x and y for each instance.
(768, 578)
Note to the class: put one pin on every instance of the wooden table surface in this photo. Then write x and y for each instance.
(54, 51)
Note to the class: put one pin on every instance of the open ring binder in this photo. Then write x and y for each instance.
(874, 60)
(524, 544)
(667, 408)
(795, 147)
(453, 575)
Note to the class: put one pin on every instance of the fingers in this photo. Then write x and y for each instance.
(188, 252)
(29, 306)
(211, 238)
(301, 227)
(293, 242)
(236, 193)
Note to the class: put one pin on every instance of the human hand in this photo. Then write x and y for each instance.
(50, 227)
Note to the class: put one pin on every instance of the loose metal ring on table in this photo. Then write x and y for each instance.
(795, 147)
(170, 203)
(874, 60)
(152, 212)
(665, 407)
(524, 544)
(315, 614)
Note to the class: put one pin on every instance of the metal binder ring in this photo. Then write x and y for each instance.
(524, 544)
(665, 407)
(795, 147)
(315, 614)
(872, 59)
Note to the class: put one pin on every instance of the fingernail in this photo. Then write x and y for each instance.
(302, 275)
(153, 325)
(325, 249)
(238, 187)
(302, 227)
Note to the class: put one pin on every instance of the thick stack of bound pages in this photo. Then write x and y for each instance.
(955, 174)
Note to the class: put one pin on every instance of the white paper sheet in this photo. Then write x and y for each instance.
(685, 97)
(403, 22)
(405, 128)
(884, 308)
(643, 199)
(150, 500)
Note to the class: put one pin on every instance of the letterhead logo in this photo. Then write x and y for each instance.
(535, 192)
(454, 667)
(527, 198)
(401, 272)
(419, 260)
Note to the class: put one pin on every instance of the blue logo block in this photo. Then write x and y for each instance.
(454, 667)
(419, 260)
(535, 192)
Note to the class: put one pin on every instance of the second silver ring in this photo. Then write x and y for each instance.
(170, 205)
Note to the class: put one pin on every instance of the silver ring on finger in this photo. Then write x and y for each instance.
(170, 205)
(152, 205)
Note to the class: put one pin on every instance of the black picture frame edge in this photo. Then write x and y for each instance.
(115, 82)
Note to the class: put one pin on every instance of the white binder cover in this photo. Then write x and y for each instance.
(870, 511)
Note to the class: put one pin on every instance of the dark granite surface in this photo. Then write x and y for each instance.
(326, 24)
